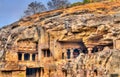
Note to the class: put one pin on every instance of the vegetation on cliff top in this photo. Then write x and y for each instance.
(37, 7)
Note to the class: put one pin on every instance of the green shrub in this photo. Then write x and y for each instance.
(76, 4)
(86, 1)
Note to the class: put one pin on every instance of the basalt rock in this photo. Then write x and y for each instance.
(81, 41)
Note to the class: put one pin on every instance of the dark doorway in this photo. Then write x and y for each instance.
(33, 57)
(84, 50)
(26, 56)
(32, 72)
(114, 75)
(62, 55)
(76, 53)
(96, 72)
(48, 53)
(44, 53)
(19, 56)
(95, 49)
(68, 53)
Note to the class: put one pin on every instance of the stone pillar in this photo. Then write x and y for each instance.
(36, 57)
(42, 39)
(30, 57)
(45, 53)
(65, 54)
(39, 55)
(41, 72)
(39, 51)
(71, 55)
(22, 56)
(90, 50)
(114, 44)
(37, 73)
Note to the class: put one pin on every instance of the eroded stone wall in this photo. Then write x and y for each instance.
(96, 24)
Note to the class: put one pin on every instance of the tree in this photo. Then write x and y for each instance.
(57, 4)
(35, 7)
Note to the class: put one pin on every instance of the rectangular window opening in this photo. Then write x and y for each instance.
(26, 56)
(33, 57)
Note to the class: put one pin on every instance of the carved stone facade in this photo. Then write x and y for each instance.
(76, 42)
(50, 58)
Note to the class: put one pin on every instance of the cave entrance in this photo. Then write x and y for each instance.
(33, 72)
(76, 53)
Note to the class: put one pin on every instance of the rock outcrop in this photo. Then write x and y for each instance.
(90, 25)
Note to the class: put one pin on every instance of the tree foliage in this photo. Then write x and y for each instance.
(89, 1)
(76, 4)
(35, 7)
(57, 4)
(86, 1)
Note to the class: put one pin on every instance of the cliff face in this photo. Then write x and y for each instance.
(88, 21)
(96, 24)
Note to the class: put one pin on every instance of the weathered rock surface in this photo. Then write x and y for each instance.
(94, 23)
(100, 20)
